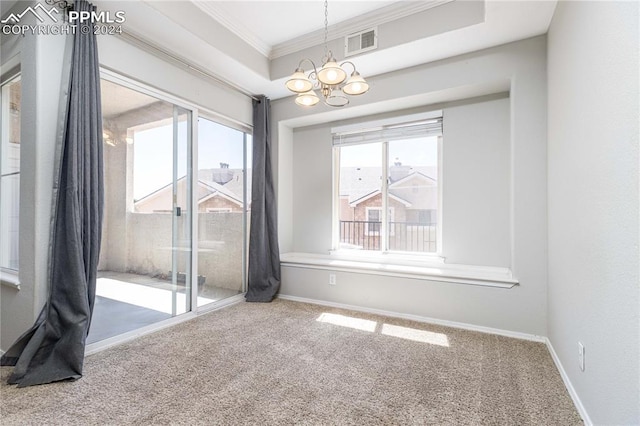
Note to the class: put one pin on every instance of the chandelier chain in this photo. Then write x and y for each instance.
(326, 26)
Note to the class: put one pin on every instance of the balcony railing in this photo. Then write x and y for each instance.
(403, 236)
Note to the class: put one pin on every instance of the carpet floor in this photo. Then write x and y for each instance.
(287, 363)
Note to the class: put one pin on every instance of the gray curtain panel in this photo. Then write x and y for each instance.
(53, 349)
(264, 255)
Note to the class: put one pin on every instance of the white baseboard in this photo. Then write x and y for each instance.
(567, 383)
(418, 318)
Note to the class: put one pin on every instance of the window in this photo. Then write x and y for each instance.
(387, 191)
(10, 175)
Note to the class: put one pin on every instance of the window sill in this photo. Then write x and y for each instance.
(10, 278)
(430, 268)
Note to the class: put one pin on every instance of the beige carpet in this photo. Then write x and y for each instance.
(293, 363)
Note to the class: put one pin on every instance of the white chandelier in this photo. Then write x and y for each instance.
(331, 80)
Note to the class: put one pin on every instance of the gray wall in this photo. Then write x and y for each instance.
(593, 204)
(513, 164)
(475, 185)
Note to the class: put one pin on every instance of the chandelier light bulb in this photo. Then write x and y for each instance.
(356, 85)
(307, 99)
(331, 73)
(299, 82)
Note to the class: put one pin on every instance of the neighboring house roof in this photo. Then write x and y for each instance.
(219, 190)
(409, 177)
(361, 183)
(207, 189)
(157, 192)
(357, 182)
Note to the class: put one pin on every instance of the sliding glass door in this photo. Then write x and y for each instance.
(165, 189)
(145, 260)
(223, 184)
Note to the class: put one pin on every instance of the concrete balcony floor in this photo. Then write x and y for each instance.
(125, 302)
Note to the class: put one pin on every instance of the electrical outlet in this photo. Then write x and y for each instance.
(332, 279)
(581, 356)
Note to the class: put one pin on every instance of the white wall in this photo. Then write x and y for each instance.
(305, 156)
(593, 204)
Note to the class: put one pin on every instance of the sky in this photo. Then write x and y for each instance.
(411, 152)
(153, 153)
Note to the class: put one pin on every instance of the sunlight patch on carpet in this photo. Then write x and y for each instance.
(350, 322)
(415, 335)
(407, 333)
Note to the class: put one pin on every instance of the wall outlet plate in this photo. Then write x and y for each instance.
(581, 356)
(332, 279)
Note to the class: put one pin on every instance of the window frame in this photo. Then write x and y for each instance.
(10, 276)
(384, 189)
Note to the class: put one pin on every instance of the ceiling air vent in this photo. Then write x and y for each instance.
(360, 42)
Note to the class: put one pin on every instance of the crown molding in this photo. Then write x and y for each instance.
(212, 9)
(371, 19)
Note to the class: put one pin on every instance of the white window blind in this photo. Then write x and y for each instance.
(418, 129)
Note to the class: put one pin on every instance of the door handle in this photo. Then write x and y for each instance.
(178, 211)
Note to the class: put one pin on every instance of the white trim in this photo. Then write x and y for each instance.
(342, 29)
(335, 197)
(231, 23)
(10, 278)
(567, 383)
(219, 304)
(384, 212)
(419, 318)
(10, 154)
(403, 267)
(440, 215)
(194, 215)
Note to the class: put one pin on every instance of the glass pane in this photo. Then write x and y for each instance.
(220, 192)
(360, 197)
(413, 194)
(10, 180)
(145, 259)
